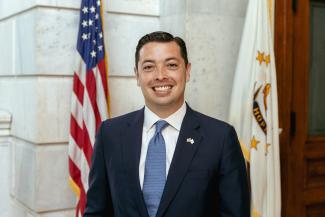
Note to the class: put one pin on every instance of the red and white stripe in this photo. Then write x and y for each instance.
(89, 107)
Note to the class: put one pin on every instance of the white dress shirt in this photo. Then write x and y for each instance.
(170, 134)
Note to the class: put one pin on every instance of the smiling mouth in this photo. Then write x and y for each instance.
(163, 88)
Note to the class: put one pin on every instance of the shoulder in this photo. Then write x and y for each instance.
(219, 137)
(213, 128)
(211, 122)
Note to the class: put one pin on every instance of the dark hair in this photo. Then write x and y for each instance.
(160, 36)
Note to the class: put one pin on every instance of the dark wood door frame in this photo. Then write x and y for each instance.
(283, 39)
(298, 152)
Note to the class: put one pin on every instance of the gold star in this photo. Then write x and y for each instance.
(254, 143)
(267, 59)
(267, 148)
(260, 57)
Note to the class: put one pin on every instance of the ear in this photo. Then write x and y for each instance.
(188, 71)
(136, 73)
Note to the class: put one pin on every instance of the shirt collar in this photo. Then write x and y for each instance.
(175, 120)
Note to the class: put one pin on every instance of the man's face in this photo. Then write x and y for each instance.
(162, 75)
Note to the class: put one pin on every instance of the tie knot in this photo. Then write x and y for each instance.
(160, 125)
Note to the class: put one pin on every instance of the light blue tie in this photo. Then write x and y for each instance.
(155, 170)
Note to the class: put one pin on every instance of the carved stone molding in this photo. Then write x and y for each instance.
(5, 126)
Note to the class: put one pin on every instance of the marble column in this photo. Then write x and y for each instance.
(37, 55)
(5, 124)
(212, 30)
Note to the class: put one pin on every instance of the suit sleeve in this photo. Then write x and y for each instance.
(99, 203)
(233, 182)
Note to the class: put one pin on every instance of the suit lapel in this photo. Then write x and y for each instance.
(184, 153)
(132, 140)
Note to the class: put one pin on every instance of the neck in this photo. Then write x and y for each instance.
(164, 111)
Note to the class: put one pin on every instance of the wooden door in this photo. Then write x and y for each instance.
(300, 61)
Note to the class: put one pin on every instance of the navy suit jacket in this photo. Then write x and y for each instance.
(206, 178)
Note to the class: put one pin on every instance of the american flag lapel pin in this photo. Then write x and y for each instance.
(190, 140)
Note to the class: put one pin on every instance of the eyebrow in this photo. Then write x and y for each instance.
(152, 61)
(146, 61)
(171, 58)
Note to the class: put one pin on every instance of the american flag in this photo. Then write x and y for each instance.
(89, 101)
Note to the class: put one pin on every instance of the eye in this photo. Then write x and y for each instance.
(172, 66)
(147, 68)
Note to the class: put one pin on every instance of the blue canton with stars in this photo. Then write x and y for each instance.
(90, 43)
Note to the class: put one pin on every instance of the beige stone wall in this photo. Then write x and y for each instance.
(37, 44)
(212, 30)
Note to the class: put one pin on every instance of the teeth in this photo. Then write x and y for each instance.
(162, 88)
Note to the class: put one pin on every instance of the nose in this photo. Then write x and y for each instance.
(161, 74)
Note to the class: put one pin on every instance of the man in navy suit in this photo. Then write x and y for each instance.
(192, 166)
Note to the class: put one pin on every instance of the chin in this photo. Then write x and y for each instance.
(168, 103)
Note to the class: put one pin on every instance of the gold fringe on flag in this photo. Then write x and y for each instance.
(74, 187)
